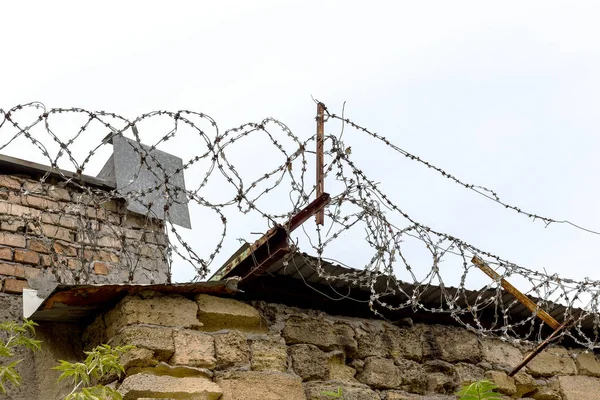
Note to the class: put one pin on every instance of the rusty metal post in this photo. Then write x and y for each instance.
(526, 301)
(541, 347)
(320, 216)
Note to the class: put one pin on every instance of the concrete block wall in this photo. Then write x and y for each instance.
(61, 233)
(208, 347)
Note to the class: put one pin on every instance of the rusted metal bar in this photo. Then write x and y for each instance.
(271, 246)
(320, 217)
(315, 207)
(523, 299)
(541, 347)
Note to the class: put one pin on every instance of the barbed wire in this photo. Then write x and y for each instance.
(481, 190)
(86, 234)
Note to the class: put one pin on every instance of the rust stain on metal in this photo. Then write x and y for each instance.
(320, 216)
(541, 347)
(523, 299)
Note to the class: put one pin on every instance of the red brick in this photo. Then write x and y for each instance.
(12, 225)
(66, 221)
(46, 260)
(39, 202)
(64, 249)
(6, 253)
(27, 257)
(74, 263)
(12, 240)
(101, 268)
(18, 210)
(10, 182)
(18, 271)
(54, 232)
(100, 255)
(39, 246)
(15, 286)
(59, 193)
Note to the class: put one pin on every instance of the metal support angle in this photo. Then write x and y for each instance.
(527, 302)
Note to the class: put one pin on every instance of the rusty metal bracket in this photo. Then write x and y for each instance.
(272, 246)
(523, 299)
(542, 346)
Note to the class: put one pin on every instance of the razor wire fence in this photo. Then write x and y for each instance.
(228, 178)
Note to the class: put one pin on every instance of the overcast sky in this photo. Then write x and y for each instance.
(506, 96)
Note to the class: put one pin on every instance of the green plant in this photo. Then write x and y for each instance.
(336, 395)
(480, 390)
(102, 361)
(18, 335)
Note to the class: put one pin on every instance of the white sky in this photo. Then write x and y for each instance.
(506, 96)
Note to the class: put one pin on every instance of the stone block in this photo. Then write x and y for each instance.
(177, 371)
(351, 391)
(232, 350)
(525, 384)
(138, 357)
(156, 338)
(309, 362)
(338, 370)
(217, 313)
(267, 355)
(253, 385)
(579, 387)
(549, 391)
(153, 386)
(501, 354)
(552, 362)
(380, 373)
(451, 344)
(321, 333)
(506, 384)
(12, 240)
(587, 364)
(172, 310)
(468, 373)
(404, 343)
(194, 348)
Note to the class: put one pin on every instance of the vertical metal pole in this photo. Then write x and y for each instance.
(320, 139)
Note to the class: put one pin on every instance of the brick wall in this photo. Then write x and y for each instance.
(70, 234)
(218, 348)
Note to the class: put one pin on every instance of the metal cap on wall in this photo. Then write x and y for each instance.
(151, 179)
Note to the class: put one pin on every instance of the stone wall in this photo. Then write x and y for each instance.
(207, 347)
(68, 234)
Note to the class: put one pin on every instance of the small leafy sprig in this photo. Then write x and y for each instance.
(19, 335)
(335, 395)
(480, 390)
(100, 362)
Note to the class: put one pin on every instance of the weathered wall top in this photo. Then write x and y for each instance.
(220, 348)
